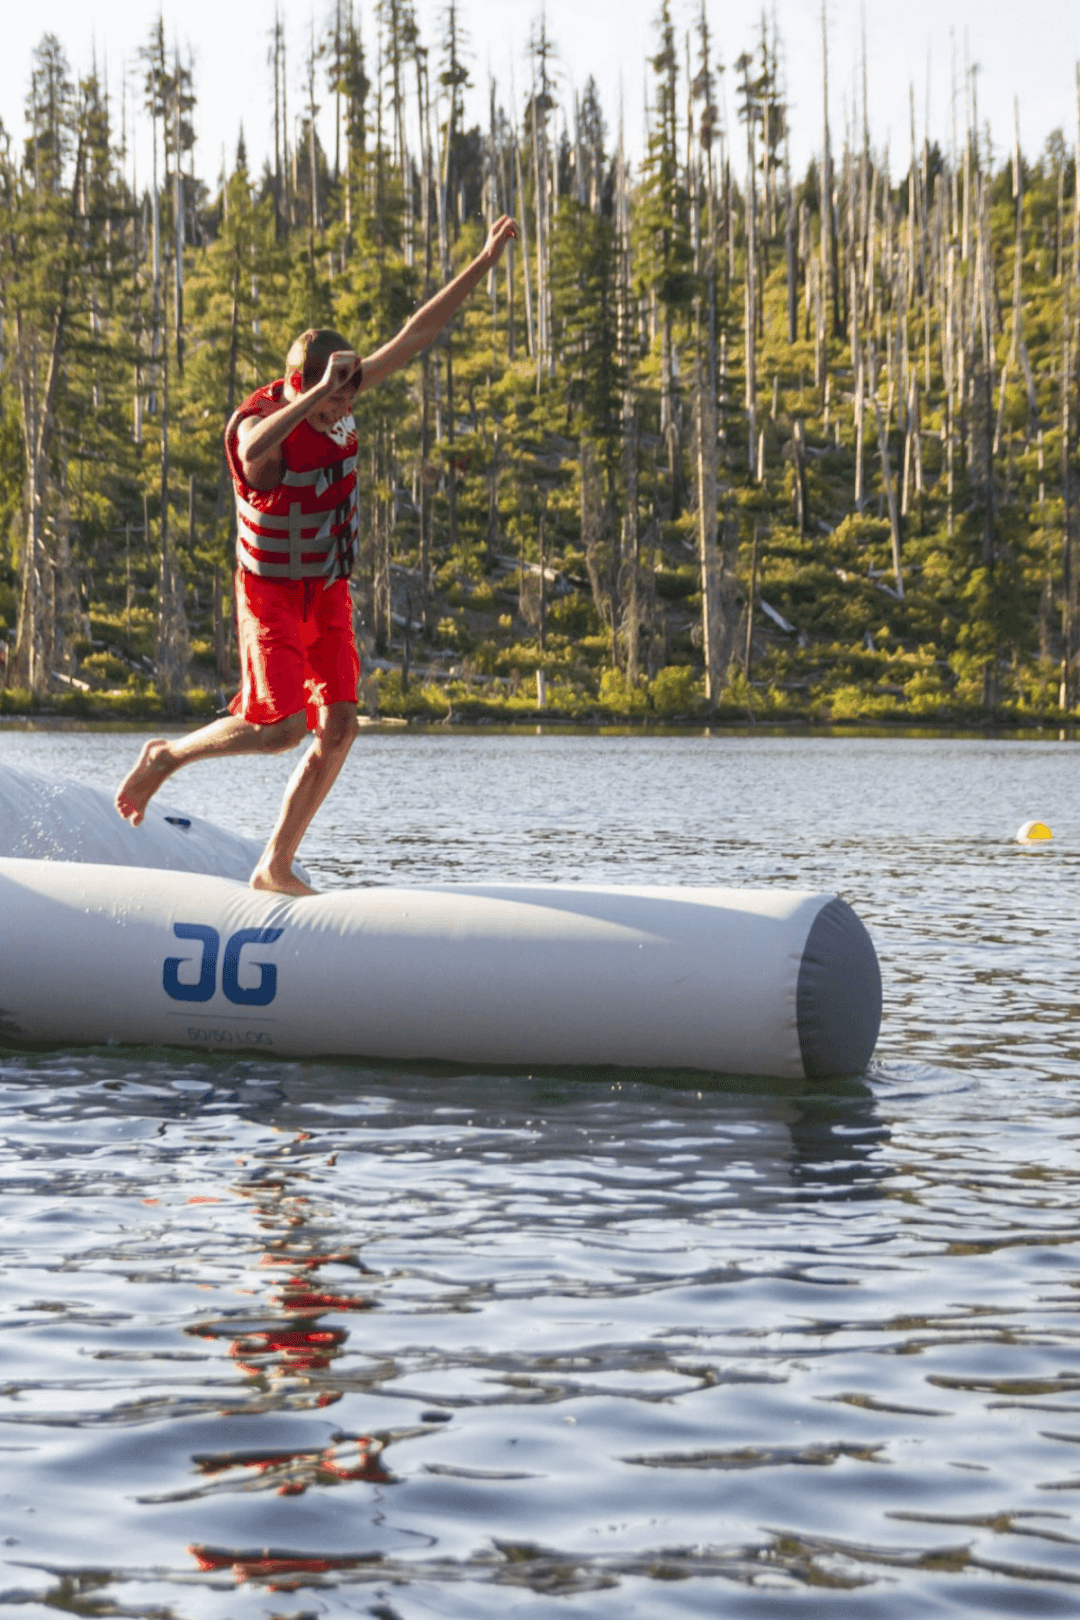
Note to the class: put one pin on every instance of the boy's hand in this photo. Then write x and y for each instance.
(342, 368)
(504, 230)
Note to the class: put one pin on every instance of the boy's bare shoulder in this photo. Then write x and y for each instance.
(247, 416)
(262, 404)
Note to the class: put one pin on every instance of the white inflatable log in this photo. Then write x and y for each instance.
(741, 981)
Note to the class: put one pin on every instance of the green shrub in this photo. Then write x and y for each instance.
(80, 704)
(846, 703)
(421, 702)
(618, 696)
(105, 667)
(595, 648)
(484, 658)
(925, 693)
(135, 703)
(198, 701)
(574, 615)
(675, 691)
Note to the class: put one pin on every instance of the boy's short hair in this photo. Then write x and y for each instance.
(309, 353)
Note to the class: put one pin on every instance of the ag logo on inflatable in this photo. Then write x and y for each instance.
(259, 995)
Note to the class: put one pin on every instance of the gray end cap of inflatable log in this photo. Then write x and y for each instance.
(838, 1001)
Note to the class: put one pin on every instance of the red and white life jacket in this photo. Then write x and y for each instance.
(305, 527)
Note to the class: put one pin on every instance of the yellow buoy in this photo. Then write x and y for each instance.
(1033, 832)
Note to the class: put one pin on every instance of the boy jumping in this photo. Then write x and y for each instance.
(291, 450)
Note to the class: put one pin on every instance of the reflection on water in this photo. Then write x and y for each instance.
(290, 1339)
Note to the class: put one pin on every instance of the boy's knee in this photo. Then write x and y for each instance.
(338, 728)
(285, 733)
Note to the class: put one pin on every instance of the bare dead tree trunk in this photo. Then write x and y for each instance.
(749, 647)
(1070, 595)
(492, 543)
(798, 475)
(624, 595)
(32, 659)
(173, 654)
(890, 493)
(221, 666)
(860, 425)
(541, 627)
(728, 615)
(451, 474)
(230, 382)
(381, 604)
(829, 256)
(542, 278)
(750, 297)
(313, 168)
(523, 227)
(791, 257)
(280, 131)
(511, 333)
(708, 558)
(599, 557)
(178, 226)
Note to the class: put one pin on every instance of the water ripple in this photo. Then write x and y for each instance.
(327, 1338)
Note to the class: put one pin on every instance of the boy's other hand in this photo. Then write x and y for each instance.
(342, 369)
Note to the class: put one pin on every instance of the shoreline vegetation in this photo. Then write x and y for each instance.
(429, 710)
(714, 445)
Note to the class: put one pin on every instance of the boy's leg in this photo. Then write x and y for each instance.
(308, 786)
(269, 623)
(230, 735)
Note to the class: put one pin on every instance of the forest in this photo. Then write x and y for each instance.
(715, 440)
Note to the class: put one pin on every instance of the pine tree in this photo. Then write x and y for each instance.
(664, 251)
(167, 102)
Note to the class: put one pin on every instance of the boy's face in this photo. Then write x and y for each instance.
(334, 408)
(331, 410)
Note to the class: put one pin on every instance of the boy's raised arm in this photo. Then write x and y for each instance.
(423, 328)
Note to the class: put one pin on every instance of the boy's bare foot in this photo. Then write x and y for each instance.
(140, 784)
(264, 877)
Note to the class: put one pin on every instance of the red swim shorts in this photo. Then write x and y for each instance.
(297, 648)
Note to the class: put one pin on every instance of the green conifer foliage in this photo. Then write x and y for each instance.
(708, 440)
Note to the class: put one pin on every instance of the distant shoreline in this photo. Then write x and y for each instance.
(539, 722)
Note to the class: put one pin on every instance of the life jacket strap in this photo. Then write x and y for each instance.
(321, 477)
(296, 562)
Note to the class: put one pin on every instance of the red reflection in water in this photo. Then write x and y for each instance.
(271, 1566)
(346, 1460)
(307, 1262)
(369, 1466)
(295, 1349)
(299, 1298)
(298, 1347)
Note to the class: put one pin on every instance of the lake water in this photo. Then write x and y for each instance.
(287, 1339)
